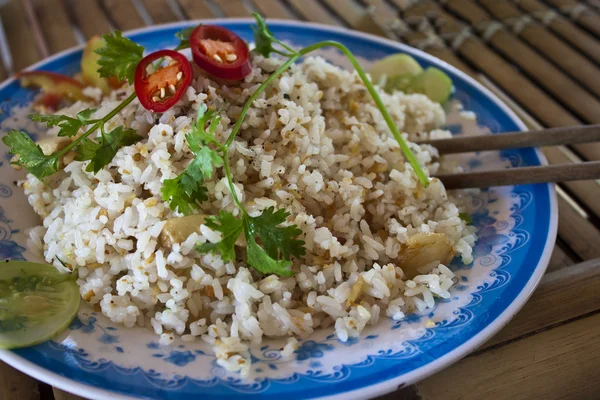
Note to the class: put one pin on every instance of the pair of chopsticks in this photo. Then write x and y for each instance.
(514, 140)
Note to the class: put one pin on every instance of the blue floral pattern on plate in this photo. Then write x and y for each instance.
(515, 224)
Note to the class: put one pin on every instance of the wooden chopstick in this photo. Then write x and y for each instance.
(524, 175)
(514, 140)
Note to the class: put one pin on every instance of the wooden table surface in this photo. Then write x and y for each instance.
(541, 56)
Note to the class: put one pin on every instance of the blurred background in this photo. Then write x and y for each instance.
(542, 57)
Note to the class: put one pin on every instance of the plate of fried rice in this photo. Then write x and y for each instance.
(245, 216)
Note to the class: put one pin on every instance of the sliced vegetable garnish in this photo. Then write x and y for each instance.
(404, 73)
(36, 303)
(89, 67)
(159, 87)
(433, 83)
(55, 87)
(220, 52)
(399, 70)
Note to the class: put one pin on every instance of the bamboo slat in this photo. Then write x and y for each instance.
(571, 61)
(355, 16)
(577, 232)
(55, 25)
(538, 103)
(577, 37)
(548, 305)
(560, 363)
(89, 17)
(23, 52)
(313, 11)
(15, 385)
(587, 192)
(160, 11)
(196, 9)
(273, 9)
(537, 68)
(584, 16)
(123, 14)
(234, 8)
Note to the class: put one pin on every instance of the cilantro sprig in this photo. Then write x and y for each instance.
(68, 126)
(269, 246)
(118, 57)
(30, 155)
(279, 243)
(185, 192)
(101, 152)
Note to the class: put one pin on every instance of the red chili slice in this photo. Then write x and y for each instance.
(159, 90)
(220, 52)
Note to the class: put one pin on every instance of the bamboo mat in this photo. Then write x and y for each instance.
(542, 57)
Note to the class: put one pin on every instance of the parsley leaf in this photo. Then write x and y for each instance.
(230, 228)
(119, 57)
(184, 37)
(276, 240)
(101, 153)
(187, 190)
(68, 126)
(30, 155)
(263, 38)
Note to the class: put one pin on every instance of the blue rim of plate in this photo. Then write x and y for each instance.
(393, 374)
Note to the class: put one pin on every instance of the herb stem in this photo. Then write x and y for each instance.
(234, 195)
(254, 96)
(368, 84)
(377, 99)
(98, 124)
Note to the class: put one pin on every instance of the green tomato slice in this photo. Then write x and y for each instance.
(433, 83)
(36, 303)
(399, 70)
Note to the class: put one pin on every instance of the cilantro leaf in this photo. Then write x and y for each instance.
(262, 262)
(119, 57)
(189, 185)
(206, 160)
(184, 37)
(85, 116)
(184, 193)
(86, 149)
(199, 136)
(263, 38)
(102, 152)
(230, 228)
(276, 239)
(30, 155)
(68, 126)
